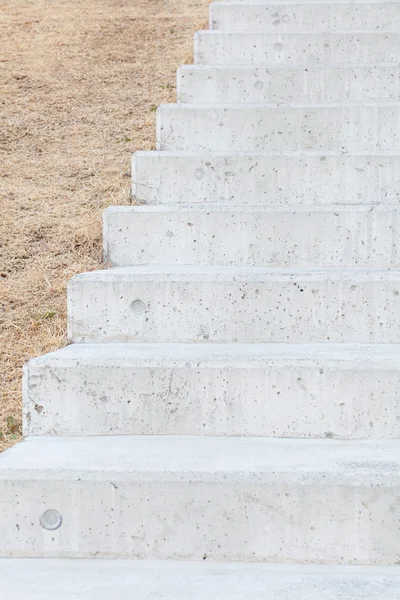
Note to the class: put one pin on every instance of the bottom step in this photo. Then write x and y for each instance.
(215, 498)
(40, 579)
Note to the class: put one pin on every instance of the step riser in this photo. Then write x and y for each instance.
(280, 238)
(356, 398)
(167, 516)
(296, 49)
(168, 179)
(274, 310)
(232, 85)
(183, 127)
(305, 17)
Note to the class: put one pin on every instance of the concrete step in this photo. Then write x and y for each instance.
(198, 497)
(283, 390)
(285, 85)
(253, 235)
(169, 580)
(263, 128)
(290, 2)
(231, 304)
(268, 178)
(303, 16)
(296, 49)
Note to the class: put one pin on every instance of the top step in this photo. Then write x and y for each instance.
(304, 16)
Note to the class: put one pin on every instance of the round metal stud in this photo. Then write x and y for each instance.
(51, 519)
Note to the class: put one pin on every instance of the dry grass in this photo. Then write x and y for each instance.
(81, 80)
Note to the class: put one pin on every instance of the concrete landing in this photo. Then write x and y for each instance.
(32, 579)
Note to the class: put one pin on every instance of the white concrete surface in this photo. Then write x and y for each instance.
(290, 2)
(270, 179)
(248, 235)
(290, 390)
(37, 579)
(297, 49)
(191, 497)
(233, 364)
(261, 128)
(200, 84)
(303, 16)
(232, 304)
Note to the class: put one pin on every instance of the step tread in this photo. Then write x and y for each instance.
(346, 356)
(204, 458)
(102, 579)
(291, 153)
(302, 2)
(221, 273)
(246, 107)
(286, 68)
(273, 3)
(284, 34)
(216, 207)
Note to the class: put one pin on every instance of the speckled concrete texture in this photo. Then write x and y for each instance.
(302, 16)
(273, 179)
(288, 390)
(190, 497)
(232, 304)
(297, 49)
(232, 389)
(277, 85)
(247, 235)
(266, 128)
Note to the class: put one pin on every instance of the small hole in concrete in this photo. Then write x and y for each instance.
(278, 47)
(259, 85)
(199, 173)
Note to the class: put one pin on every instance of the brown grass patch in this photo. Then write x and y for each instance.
(80, 79)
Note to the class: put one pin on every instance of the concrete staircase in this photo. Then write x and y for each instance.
(229, 408)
